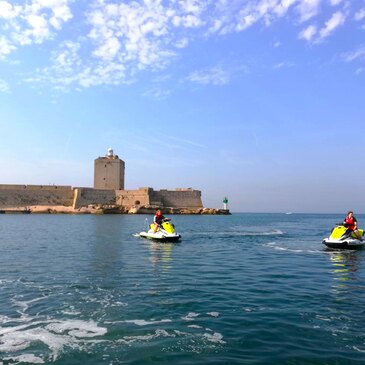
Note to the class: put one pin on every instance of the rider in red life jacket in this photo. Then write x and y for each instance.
(351, 223)
(159, 219)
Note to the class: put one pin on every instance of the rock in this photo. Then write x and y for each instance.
(117, 209)
(133, 210)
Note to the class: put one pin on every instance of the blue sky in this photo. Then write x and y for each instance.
(262, 101)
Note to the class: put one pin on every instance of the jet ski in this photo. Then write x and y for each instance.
(343, 238)
(165, 233)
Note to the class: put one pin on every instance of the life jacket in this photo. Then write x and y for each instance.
(159, 218)
(350, 223)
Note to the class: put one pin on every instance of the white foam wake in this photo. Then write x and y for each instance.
(142, 322)
(55, 335)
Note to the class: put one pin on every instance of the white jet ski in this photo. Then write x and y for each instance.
(342, 238)
(165, 233)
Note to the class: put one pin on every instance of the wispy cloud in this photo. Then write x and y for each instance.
(157, 93)
(131, 33)
(357, 57)
(31, 23)
(4, 87)
(312, 34)
(335, 2)
(308, 33)
(123, 38)
(117, 39)
(284, 64)
(358, 54)
(359, 15)
(307, 9)
(334, 22)
(212, 76)
(5, 47)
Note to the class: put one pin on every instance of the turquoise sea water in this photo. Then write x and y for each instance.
(239, 289)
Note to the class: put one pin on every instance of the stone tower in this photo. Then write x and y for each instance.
(109, 172)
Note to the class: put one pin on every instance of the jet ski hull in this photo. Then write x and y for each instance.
(160, 237)
(165, 233)
(342, 238)
(349, 244)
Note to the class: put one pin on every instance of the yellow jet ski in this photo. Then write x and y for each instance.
(343, 238)
(165, 233)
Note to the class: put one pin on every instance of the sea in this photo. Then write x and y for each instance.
(237, 289)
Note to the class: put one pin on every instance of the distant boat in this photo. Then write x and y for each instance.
(289, 213)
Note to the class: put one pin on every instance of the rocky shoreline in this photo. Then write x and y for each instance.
(112, 209)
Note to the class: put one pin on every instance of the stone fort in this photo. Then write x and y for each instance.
(108, 190)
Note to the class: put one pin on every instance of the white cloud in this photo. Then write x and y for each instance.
(131, 32)
(283, 65)
(308, 9)
(192, 6)
(213, 76)
(335, 2)
(334, 22)
(189, 13)
(182, 43)
(283, 6)
(312, 34)
(119, 38)
(277, 44)
(358, 54)
(359, 15)
(188, 21)
(4, 87)
(236, 16)
(308, 33)
(8, 11)
(39, 28)
(157, 94)
(109, 49)
(5, 47)
(33, 22)
(65, 69)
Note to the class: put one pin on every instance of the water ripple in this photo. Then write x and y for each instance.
(252, 289)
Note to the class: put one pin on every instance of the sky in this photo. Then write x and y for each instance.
(262, 101)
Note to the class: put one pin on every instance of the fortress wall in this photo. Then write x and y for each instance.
(89, 196)
(26, 195)
(179, 198)
(12, 196)
(129, 198)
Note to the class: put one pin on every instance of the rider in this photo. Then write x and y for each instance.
(159, 219)
(351, 223)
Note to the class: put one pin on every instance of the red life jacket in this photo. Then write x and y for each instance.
(159, 218)
(350, 223)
